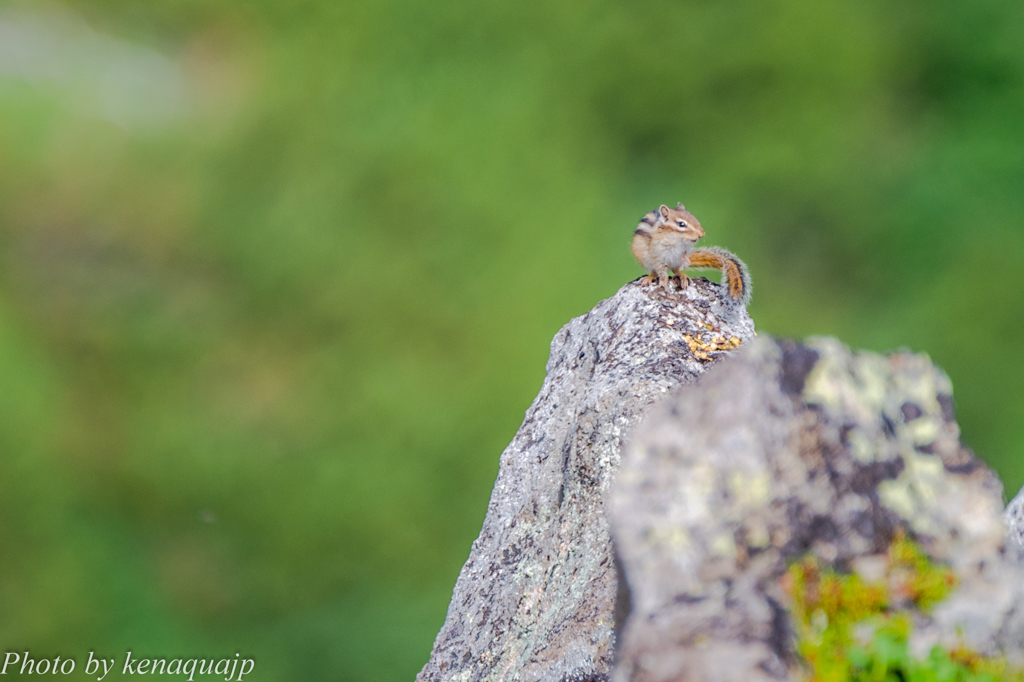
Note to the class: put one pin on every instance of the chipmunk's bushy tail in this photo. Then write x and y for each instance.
(735, 276)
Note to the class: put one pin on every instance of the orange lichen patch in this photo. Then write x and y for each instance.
(700, 348)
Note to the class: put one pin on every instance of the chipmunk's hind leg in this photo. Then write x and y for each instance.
(648, 279)
(663, 278)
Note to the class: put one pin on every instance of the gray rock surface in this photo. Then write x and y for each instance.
(1014, 516)
(784, 450)
(708, 478)
(536, 599)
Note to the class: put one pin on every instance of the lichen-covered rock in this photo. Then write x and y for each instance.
(1014, 516)
(536, 599)
(788, 449)
(784, 450)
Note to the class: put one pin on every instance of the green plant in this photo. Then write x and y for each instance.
(851, 629)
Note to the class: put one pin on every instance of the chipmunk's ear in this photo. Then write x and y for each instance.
(664, 211)
(680, 206)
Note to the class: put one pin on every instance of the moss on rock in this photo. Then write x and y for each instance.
(853, 629)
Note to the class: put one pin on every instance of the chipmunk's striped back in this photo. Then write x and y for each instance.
(647, 224)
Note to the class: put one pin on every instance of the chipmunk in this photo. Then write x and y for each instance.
(664, 241)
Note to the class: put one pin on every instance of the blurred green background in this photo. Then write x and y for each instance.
(277, 280)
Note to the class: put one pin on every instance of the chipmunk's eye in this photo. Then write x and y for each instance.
(682, 224)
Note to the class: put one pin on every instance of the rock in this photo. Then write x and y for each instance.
(779, 451)
(536, 599)
(789, 449)
(1014, 516)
